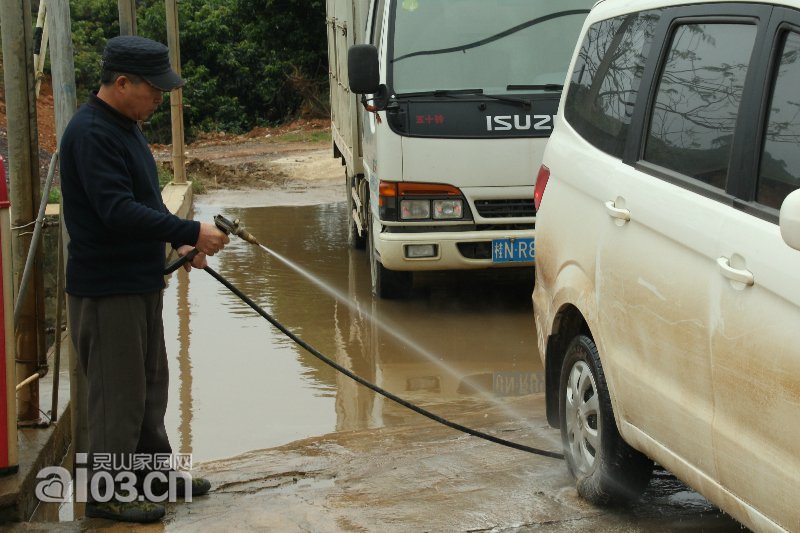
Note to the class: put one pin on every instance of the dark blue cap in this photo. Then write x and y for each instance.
(131, 54)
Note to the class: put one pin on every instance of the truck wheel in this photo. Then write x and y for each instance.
(606, 468)
(359, 242)
(387, 284)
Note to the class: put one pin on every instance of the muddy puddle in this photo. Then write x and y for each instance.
(237, 384)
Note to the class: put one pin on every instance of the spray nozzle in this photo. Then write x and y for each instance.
(229, 227)
(232, 227)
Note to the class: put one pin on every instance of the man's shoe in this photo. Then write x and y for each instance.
(200, 486)
(134, 511)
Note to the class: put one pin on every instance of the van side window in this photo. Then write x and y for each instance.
(780, 160)
(697, 101)
(605, 81)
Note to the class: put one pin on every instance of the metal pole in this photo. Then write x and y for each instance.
(176, 96)
(127, 17)
(37, 233)
(23, 154)
(62, 67)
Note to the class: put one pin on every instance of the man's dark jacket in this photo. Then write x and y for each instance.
(117, 222)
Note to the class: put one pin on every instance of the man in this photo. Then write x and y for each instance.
(118, 227)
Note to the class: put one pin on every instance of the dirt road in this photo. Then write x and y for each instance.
(282, 159)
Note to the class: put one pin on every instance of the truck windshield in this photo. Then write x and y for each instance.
(500, 46)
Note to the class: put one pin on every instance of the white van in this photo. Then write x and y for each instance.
(667, 297)
(460, 99)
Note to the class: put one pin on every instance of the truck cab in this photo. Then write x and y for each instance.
(450, 106)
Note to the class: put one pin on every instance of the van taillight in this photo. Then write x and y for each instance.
(541, 183)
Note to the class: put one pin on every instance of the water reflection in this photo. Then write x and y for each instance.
(252, 388)
(184, 363)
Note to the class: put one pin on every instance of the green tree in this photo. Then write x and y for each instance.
(247, 62)
(93, 22)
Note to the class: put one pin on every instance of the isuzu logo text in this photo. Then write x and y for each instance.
(519, 122)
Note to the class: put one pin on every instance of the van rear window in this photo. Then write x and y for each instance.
(605, 81)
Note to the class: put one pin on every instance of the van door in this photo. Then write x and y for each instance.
(755, 317)
(658, 260)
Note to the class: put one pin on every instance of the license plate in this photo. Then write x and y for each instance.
(512, 250)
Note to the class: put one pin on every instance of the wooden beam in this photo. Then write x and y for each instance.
(176, 96)
(62, 67)
(127, 17)
(23, 152)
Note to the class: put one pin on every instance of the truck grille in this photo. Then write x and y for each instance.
(505, 208)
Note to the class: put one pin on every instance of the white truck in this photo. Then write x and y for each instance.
(442, 147)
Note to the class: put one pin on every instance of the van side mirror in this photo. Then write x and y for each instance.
(362, 69)
(790, 220)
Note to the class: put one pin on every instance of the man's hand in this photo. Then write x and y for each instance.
(211, 240)
(199, 261)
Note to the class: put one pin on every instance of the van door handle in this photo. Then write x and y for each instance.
(616, 212)
(735, 274)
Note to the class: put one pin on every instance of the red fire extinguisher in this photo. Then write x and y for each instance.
(8, 409)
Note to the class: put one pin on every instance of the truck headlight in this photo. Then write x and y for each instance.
(445, 209)
(417, 202)
(415, 209)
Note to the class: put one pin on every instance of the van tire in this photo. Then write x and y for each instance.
(606, 469)
(386, 284)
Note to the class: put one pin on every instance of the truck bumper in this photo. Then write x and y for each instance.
(452, 249)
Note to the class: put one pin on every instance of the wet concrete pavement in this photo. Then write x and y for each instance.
(291, 445)
(422, 477)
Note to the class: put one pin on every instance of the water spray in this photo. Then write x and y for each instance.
(234, 228)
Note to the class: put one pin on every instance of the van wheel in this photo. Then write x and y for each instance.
(606, 468)
(359, 242)
(387, 284)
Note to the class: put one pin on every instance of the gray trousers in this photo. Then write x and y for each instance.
(120, 343)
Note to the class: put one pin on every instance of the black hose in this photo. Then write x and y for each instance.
(179, 262)
(313, 351)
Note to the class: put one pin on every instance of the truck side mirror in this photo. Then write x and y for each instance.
(362, 69)
(790, 220)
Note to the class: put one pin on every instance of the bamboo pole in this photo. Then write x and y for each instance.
(42, 34)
